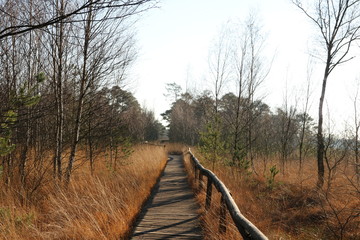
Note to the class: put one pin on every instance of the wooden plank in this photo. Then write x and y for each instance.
(171, 212)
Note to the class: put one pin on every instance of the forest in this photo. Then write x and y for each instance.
(66, 84)
(65, 104)
(74, 139)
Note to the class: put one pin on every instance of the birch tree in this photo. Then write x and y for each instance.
(338, 23)
(257, 69)
(106, 48)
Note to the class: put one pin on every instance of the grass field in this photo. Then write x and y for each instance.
(104, 205)
(98, 206)
(290, 206)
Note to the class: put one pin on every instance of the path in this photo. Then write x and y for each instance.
(171, 211)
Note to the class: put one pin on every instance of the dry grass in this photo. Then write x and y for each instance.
(102, 206)
(290, 209)
(177, 148)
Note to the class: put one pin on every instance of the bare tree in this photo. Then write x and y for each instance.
(220, 70)
(219, 64)
(84, 85)
(237, 54)
(338, 22)
(58, 54)
(304, 119)
(106, 47)
(287, 132)
(240, 55)
(258, 70)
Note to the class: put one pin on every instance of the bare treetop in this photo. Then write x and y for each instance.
(26, 24)
(339, 25)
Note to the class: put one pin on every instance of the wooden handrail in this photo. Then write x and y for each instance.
(246, 228)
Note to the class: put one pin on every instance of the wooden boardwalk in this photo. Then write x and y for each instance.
(171, 211)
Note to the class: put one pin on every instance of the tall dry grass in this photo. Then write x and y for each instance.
(101, 206)
(291, 208)
(177, 148)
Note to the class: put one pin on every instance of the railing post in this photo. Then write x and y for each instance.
(208, 193)
(200, 180)
(195, 174)
(222, 220)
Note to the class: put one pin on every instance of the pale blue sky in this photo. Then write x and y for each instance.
(174, 43)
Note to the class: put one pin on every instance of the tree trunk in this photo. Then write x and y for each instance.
(90, 144)
(302, 138)
(75, 139)
(357, 167)
(237, 135)
(23, 158)
(116, 158)
(320, 137)
(303, 127)
(83, 80)
(58, 77)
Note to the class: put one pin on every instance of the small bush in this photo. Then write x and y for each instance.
(270, 179)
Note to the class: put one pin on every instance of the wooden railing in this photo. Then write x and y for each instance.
(247, 229)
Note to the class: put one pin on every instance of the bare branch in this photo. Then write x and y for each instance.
(26, 26)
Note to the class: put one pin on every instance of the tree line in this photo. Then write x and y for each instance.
(284, 132)
(63, 73)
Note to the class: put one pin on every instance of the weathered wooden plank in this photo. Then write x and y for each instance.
(171, 211)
